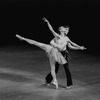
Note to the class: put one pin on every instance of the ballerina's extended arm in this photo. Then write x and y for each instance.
(50, 27)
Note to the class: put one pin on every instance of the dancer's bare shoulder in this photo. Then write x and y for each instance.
(66, 39)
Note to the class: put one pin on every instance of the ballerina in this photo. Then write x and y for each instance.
(53, 54)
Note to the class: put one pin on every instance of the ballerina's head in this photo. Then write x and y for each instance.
(63, 30)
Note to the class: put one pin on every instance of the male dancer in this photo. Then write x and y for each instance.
(63, 41)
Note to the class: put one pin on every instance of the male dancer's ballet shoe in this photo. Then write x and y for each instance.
(46, 83)
(68, 87)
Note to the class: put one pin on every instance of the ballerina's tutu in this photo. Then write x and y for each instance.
(54, 53)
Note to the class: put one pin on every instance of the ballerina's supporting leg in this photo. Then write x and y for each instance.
(52, 64)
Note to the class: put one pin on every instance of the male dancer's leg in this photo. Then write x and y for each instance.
(67, 71)
(68, 74)
(49, 77)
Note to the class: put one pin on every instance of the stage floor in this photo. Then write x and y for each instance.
(22, 74)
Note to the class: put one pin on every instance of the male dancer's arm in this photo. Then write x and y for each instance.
(60, 47)
(72, 47)
(70, 43)
(53, 43)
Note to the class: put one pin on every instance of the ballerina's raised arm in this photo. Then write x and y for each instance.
(51, 29)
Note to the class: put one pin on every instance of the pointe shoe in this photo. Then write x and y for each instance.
(18, 36)
(56, 84)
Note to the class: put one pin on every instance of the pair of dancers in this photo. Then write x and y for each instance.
(55, 51)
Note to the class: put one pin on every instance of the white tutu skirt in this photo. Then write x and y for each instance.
(54, 54)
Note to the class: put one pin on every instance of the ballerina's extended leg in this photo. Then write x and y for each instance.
(44, 47)
(33, 42)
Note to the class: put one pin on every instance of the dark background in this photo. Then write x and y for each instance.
(24, 17)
